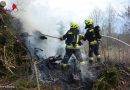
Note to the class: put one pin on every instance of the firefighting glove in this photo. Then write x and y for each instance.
(99, 41)
(43, 37)
(74, 44)
(97, 27)
(83, 38)
(80, 43)
(61, 38)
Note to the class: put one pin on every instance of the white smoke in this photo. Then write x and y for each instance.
(48, 18)
(37, 15)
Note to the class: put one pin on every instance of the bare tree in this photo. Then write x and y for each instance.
(97, 16)
(127, 18)
(110, 20)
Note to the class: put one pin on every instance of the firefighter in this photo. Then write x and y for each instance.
(72, 39)
(2, 11)
(2, 5)
(94, 37)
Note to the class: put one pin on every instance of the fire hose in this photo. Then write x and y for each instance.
(116, 40)
(102, 36)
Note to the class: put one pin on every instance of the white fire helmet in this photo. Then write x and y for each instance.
(3, 3)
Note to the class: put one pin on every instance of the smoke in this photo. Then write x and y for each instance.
(41, 16)
(37, 16)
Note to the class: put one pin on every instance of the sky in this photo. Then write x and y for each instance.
(80, 8)
(83, 7)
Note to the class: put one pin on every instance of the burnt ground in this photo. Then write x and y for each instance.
(68, 79)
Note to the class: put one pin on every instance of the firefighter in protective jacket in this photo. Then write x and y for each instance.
(72, 39)
(2, 12)
(93, 36)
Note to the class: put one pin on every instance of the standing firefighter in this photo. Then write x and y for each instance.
(73, 44)
(3, 14)
(2, 11)
(93, 36)
(2, 5)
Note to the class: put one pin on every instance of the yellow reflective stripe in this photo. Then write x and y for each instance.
(93, 42)
(77, 39)
(71, 46)
(70, 33)
(98, 56)
(82, 62)
(80, 35)
(91, 30)
(91, 58)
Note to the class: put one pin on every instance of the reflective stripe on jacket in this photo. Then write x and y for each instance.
(72, 38)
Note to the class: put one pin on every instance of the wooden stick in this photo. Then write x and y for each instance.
(51, 36)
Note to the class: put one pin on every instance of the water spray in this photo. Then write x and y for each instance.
(102, 36)
(117, 40)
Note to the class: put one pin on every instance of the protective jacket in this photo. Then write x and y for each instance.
(92, 34)
(72, 38)
(1, 9)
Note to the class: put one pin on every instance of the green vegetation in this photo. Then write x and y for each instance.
(108, 78)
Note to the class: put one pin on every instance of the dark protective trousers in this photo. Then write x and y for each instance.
(68, 54)
(94, 49)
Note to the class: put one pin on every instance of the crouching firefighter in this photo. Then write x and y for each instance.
(93, 36)
(72, 39)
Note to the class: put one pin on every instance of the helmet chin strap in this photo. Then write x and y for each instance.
(116, 40)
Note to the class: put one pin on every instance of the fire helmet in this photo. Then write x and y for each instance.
(2, 3)
(89, 21)
(73, 25)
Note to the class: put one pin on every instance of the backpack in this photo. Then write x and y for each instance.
(97, 32)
